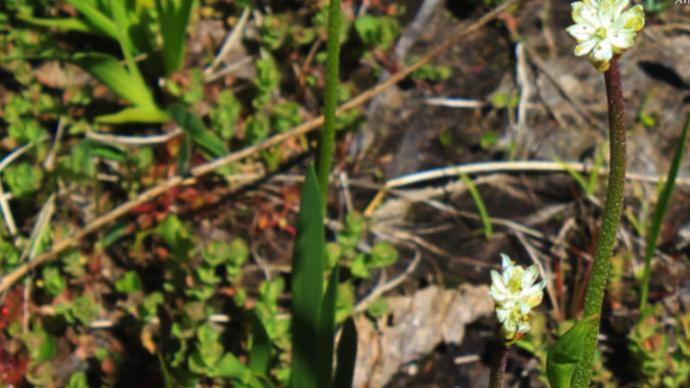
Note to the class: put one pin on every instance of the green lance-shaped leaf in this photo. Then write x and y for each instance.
(63, 24)
(124, 26)
(147, 115)
(174, 18)
(326, 330)
(659, 212)
(564, 355)
(195, 129)
(347, 355)
(260, 354)
(95, 18)
(308, 265)
(108, 70)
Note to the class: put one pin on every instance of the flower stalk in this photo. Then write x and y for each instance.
(498, 366)
(611, 218)
(327, 139)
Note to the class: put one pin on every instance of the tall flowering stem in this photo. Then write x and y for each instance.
(327, 139)
(498, 366)
(612, 214)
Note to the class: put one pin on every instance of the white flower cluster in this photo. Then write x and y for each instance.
(603, 29)
(515, 293)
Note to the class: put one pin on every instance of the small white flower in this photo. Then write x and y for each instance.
(515, 293)
(603, 30)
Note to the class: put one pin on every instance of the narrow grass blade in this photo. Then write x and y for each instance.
(577, 176)
(347, 355)
(483, 214)
(308, 265)
(115, 76)
(135, 115)
(194, 127)
(174, 17)
(64, 24)
(659, 211)
(260, 354)
(95, 18)
(124, 27)
(327, 329)
(184, 155)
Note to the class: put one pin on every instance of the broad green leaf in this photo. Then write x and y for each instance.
(176, 236)
(152, 115)
(308, 264)
(564, 355)
(95, 18)
(217, 252)
(194, 127)
(85, 309)
(383, 254)
(54, 282)
(230, 366)
(377, 31)
(210, 348)
(326, 331)
(174, 17)
(347, 354)
(130, 282)
(260, 354)
(42, 346)
(115, 76)
(23, 178)
(78, 380)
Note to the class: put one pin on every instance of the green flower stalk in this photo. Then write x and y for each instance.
(327, 139)
(516, 293)
(604, 30)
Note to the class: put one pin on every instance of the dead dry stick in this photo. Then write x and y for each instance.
(134, 140)
(204, 169)
(515, 166)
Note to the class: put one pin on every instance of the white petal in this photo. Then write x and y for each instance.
(502, 314)
(505, 261)
(585, 47)
(622, 39)
(498, 282)
(584, 13)
(619, 6)
(508, 276)
(499, 297)
(523, 327)
(529, 276)
(602, 52)
(606, 12)
(581, 32)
